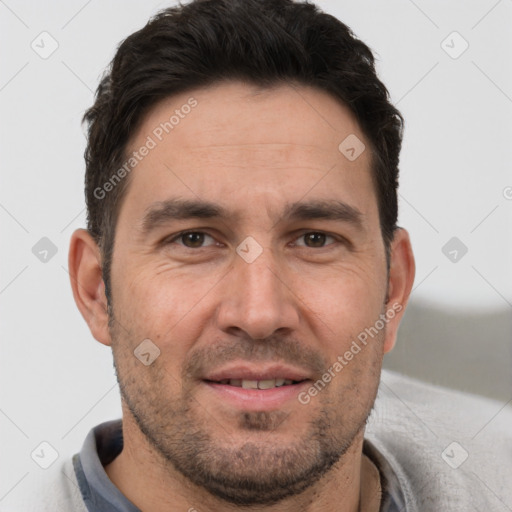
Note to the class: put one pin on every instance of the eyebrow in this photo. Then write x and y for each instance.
(163, 212)
(327, 209)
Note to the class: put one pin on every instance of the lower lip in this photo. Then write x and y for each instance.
(257, 399)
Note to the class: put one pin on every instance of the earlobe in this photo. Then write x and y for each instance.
(87, 283)
(401, 278)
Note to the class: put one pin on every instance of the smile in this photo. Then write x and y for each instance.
(258, 384)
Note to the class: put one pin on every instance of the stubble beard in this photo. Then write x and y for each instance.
(257, 472)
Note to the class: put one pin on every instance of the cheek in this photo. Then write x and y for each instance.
(339, 312)
(349, 297)
(162, 303)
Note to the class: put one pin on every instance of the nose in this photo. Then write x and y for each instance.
(258, 299)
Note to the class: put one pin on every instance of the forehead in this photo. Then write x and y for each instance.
(235, 138)
(233, 113)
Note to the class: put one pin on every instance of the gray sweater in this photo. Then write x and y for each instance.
(441, 451)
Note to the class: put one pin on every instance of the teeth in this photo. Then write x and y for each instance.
(267, 384)
(257, 384)
(250, 384)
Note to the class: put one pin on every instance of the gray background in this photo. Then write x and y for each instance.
(56, 381)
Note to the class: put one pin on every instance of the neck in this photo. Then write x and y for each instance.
(153, 485)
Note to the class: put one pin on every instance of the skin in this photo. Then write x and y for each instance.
(302, 301)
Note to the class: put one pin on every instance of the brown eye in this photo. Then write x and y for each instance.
(315, 239)
(193, 239)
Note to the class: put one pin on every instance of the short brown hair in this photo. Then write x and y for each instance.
(262, 42)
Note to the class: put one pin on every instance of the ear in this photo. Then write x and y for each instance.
(401, 278)
(87, 283)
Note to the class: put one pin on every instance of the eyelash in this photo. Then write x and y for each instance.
(184, 233)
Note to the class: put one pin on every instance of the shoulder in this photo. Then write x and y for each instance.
(54, 489)
(450, 449)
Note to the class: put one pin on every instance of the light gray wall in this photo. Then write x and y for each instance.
(466, 350)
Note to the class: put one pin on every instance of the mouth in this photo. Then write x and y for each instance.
(257, 384)
(245, 386)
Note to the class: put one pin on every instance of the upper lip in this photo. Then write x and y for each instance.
(253, 372)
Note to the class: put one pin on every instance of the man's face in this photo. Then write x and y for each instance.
(282, 304)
